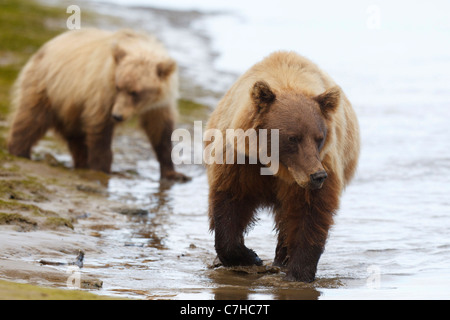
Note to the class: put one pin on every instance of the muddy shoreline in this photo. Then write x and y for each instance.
(148, 239)
(49, 211)
(59, 217)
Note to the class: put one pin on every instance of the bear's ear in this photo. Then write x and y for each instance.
(118, 53)
(166, 68)
(262, 95)
(329, 100)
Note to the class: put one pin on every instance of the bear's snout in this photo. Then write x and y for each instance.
(117, 117)
(317, 179)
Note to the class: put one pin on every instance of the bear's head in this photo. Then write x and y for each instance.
(140, 80)
(303, 124)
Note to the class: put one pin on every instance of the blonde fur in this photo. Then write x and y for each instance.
(290, 72)
(77, 68)
(288, 92)
(75, 82)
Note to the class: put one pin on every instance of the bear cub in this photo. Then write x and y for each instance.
(83, 82)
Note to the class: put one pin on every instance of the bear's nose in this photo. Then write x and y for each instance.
(317, 179)
(118, 118)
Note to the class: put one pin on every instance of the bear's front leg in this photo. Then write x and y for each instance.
(307, 231)
(79, 151)
(99, 143)
(158, 125)
(295, 249)
(281, 257)
(303, 262)
(229, 219)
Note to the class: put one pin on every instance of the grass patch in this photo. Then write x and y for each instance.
(56, 222)
(19, 214)
(26, 189)
(191, 111)
(24, 27)
(20, 291)
(17, 219)
(16, 206)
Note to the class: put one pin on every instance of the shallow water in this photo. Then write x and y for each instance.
(390, 239)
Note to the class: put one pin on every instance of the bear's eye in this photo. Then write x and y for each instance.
(134, 95)
(320, 142)
(293, 139)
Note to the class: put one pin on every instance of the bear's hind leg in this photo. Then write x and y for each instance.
(31, 122)
(229, 219)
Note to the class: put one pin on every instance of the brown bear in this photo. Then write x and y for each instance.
(83, 82)
(318, 153)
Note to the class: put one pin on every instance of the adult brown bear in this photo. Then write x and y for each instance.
(318, 154)
(83, 82)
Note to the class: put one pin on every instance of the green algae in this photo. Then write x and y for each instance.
(21, 291)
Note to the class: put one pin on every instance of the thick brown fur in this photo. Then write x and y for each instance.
(318, 154)
(83, 82)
